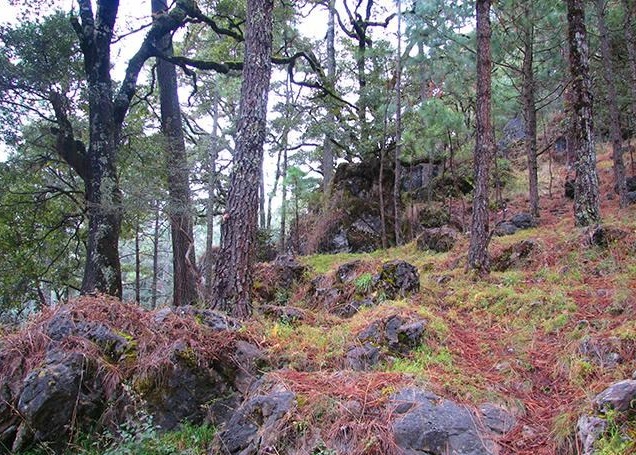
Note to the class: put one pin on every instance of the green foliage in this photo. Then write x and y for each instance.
(364, 283)
(615, 440)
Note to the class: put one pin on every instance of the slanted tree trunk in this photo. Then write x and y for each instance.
(612, 101)
(232, 288)
(398, 134)
(530, 112)
(586, 191)
(179, 206)
(327, 152)
(478, 259)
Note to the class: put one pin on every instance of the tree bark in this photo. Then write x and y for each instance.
(612, 102)
(155, 257)
(586, 191)
(232, 287)
(102, 272)
(283, 206)
(530, 112)
(179, 205)
(478, 259)
(213, 154)
(397, 215)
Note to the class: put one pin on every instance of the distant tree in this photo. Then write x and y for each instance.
(586, 188)
(484, 146)
(185, 277)
(233, 278)
(612, 102)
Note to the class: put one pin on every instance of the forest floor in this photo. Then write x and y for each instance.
(517, 338)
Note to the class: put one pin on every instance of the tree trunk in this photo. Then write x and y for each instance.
(213, 154)
(137, 265)
(612, 101)
(397, 224)
(283, 205)
(155, 258)
(232, 287)
(102, 272)
(179, 207)
(530, 113)
(630, 43)
(586, 191)
(327, 153)
(484, 147)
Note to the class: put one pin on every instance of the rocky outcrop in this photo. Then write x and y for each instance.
(520, 221)
(610, 407)
(427, 423)
(515, 256)
(257, 426)
(282, 274)
(439, 240)
(398, 279)
(353, 287)
(96, 361)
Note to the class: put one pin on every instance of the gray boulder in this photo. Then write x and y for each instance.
(398, 279)
(397, 334)
(428, 424)
(257, 425)
(440, 239)
(363, 358)
(54, 395)
(620, 396)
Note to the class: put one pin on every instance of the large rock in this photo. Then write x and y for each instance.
(257, 425)
(620, 396)
(396, 333)
(282, 274)
(604, 236)
(515, 256)
(425, 423)
(398, 279)
(439, 240)
(90, 362)
(55, 395)
(519, 221)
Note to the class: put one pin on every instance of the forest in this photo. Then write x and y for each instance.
(263, 226)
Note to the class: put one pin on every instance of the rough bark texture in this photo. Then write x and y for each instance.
(586, 191)
(213, 154)
(179, 206)
(233, 279)
(612, 102)
(397, 223)
(530, 113)
(484, 147)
